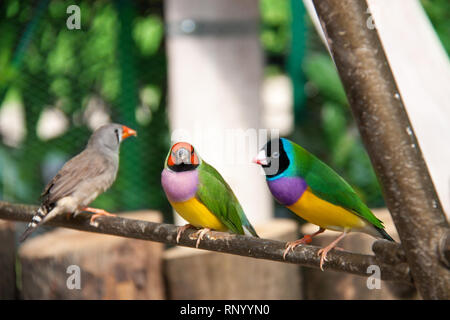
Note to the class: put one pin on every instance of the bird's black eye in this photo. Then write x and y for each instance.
(116, 131)
(192, 152)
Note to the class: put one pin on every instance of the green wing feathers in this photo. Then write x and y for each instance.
(329, 186)
(217, 196)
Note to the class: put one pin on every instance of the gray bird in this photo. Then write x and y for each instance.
(83, 177)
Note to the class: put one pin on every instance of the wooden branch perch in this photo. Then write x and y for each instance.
(228, 243)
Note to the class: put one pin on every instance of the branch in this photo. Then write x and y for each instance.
(221, 242)
(390, 140)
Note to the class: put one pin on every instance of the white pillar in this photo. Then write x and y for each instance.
(215, 69)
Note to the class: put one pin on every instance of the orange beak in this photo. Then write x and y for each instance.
(127, 132)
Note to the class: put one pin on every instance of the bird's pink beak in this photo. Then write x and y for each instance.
(261, 158)
(127, 132)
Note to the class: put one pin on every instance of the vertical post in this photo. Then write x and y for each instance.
(215, 70)
(390, 140)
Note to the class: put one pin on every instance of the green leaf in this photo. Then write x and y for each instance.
(320, 69)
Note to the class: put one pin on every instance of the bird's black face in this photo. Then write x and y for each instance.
(273, 158)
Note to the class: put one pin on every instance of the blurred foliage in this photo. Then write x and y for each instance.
(73, 70)
(275, 34)
(117, 63)
(438, 12)
(327, 128)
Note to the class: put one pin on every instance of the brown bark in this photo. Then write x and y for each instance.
(109, 267)
(215, 241)
(7, 261)
(390, 141)
(213, 275)
(350, 287)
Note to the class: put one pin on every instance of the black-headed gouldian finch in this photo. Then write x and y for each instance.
(83, 177)
(200, 195)
(316, 193)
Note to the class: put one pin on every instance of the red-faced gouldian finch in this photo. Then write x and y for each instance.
(200, 195)
(83, 177)
(316, 193)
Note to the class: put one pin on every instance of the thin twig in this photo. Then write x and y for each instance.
(305, 255)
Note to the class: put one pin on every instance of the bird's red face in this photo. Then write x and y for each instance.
(127, 132)
(182, 157)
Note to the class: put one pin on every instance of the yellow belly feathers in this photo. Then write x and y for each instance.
(325, 214)
(197, 214)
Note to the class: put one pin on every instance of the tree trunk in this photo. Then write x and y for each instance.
(383, 122)
(341, 286)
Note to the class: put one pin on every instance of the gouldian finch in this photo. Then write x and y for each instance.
(200, 195)
(316, 193)
(83, 177)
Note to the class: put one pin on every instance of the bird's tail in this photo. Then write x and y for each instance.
(248, 229)
(38, 218)
(384, 234)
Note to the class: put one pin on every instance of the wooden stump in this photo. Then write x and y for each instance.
(109, 267)
(7, 261)
(337, 285)
(198, 274)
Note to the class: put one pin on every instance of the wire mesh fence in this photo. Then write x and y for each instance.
(58, 84)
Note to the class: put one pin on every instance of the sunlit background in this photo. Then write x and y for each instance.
(57, 85)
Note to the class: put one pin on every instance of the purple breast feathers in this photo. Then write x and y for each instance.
(179, 186)
(287, 190)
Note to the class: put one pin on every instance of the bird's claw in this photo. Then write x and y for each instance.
(290, 246)
(200, 233)
(323, 257)
(180, 231)
(324, 251)
(98, 213)
(93, 223)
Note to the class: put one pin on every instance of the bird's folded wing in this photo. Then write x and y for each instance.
(329, 186)
(217, 196)
(85, 166)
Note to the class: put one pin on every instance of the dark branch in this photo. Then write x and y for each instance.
(218, 241)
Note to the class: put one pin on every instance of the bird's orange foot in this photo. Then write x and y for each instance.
(307, 239)
(290, 246)
(200, 233)
(182, 229)
(97, 213)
